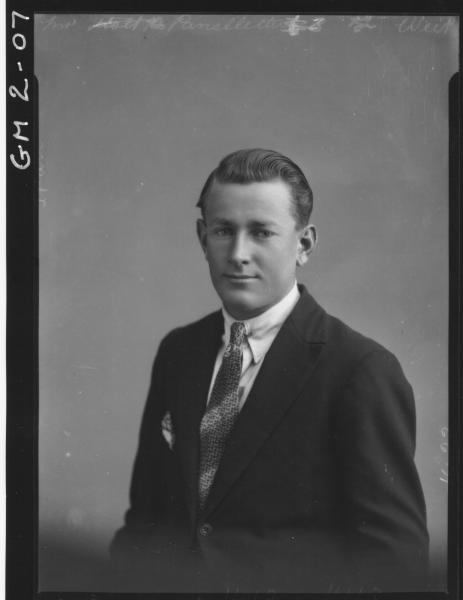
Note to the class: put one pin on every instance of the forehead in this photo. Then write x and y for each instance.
(257, 200)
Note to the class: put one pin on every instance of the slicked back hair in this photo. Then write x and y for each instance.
(256, 164)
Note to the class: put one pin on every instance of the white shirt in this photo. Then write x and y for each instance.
(260, 333)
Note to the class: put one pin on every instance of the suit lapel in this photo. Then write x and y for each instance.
(192, 397)
(286, 367)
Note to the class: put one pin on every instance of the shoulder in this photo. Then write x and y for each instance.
(189, 333)
(346, 352)
(347, 341)
(313, 324)
(373, 385)
(371, 390)
(364, 355)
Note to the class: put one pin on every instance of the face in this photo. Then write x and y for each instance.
(252, 244)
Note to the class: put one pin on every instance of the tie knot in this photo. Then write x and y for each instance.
(237, 333)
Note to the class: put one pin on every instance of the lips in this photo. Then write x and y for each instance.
(238, 277)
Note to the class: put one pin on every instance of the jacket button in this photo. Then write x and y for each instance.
(205, 529)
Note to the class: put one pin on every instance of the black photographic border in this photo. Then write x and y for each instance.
(22, 277)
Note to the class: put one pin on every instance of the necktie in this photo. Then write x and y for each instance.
(221, 411)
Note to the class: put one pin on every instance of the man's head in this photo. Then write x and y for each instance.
(254, 165)
(255, 229)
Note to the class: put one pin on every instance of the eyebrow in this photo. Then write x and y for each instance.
(264, 224)
(219, 221)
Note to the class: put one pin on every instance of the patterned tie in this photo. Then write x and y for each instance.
(221, 411)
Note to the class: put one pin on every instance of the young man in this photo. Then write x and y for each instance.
(276, 448)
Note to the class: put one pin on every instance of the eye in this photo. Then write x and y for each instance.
(222, 231)
(262, 233)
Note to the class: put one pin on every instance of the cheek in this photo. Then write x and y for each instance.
(281, 262)
(275, 256)
(215, 257)
(212, 251)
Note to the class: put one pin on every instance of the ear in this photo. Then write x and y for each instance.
(201, 232)
(307, 242)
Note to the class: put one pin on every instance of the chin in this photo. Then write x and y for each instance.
(241, 309)
(241, 303)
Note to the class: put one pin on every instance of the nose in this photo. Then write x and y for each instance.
(239, 250)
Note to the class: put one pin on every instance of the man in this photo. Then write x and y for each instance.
(276, 448)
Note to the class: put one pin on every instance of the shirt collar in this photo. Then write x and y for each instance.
(261, 330)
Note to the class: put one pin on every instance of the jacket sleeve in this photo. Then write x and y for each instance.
(383, 500)
(147, 503)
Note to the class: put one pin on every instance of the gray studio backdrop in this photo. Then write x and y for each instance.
(135, 111)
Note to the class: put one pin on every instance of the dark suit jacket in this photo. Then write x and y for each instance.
(317, 489)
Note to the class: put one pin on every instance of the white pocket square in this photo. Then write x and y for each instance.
(168, 430)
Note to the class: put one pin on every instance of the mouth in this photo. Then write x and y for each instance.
(238, 277)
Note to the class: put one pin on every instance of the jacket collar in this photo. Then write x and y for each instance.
(287, 365)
